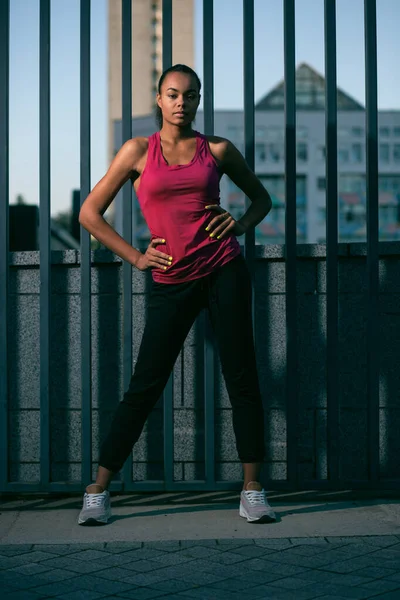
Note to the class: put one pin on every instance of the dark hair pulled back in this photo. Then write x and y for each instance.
(174, 69)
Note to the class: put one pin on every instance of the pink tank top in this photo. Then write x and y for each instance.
(173, 200)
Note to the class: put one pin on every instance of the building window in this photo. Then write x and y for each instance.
(396, 131)
(389, 183)
(155, 76)
(275, 152)
(384, 153)
(396, 153)
(302, 151)
(352, 184)
(343, 155)
(384, 131)
(321, 183)
(356, 153)
(357, 131)
(260, 152)
(321, 219)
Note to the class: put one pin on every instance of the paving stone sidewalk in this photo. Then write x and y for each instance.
(327, 568)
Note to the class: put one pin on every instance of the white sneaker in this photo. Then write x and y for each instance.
(254, 504)
(96, 508)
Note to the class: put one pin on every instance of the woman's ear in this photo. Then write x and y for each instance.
(159, 102)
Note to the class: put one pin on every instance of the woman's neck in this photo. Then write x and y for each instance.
(176, 134)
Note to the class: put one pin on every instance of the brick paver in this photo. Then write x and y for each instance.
(278, 569)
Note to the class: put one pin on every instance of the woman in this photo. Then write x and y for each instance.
(196, 263)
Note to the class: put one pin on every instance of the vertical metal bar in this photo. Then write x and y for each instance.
(248, 80)
(208, 102)
(44, 237)
(86, 308)
(167, 33)
(332, 244)
(290, 240)
(4, 235)
(208, 66)
(372, 236)
(168, 394)
(127, 202)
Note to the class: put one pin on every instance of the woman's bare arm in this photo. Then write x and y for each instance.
(234, 165)
(123, 167)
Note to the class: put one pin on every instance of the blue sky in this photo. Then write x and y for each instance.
(24, 74)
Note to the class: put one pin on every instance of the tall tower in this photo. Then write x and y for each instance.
(146, 54)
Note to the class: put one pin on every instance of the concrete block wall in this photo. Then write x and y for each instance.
(270, 327)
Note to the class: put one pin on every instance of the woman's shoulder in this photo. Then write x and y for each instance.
(135, 149)
(219, 146)
(137, 145)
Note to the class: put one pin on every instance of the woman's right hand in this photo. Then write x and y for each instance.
(154, 259)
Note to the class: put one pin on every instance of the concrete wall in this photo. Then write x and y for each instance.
(107, 328)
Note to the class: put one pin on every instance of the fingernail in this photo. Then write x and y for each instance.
(211, 235)
(207, 228)
(218, 236)
(165, 268)
(164, 241)
(170, 258)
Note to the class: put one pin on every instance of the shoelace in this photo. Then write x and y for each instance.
(95, 499)
(255, 497)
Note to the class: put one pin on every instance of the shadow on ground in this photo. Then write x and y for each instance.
(287, 503)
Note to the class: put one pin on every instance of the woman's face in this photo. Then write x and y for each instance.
(179, 98)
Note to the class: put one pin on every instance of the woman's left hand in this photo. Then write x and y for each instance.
(223, 223)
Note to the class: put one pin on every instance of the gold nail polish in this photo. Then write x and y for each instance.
(170, 258)
(218, 236)
(211, 235)
(207, 228)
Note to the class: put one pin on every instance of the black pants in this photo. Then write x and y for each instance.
(172, 310)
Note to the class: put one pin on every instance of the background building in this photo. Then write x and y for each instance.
(146, 59)
(311, 181)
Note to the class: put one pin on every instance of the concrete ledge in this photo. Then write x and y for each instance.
(271, 251)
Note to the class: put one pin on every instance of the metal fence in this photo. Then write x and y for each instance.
(334, 479)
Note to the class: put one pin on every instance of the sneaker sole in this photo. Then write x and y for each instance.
(264, 519)
(91, 521)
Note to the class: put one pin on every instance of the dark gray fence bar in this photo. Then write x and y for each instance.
(86, 309)
(371, 103)
(248, 84)
(168, 394)
(127, 206)
(4, 234)
(44, 240)
(331, 200)
(167, 33)
(209, 356)
(290, 240)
